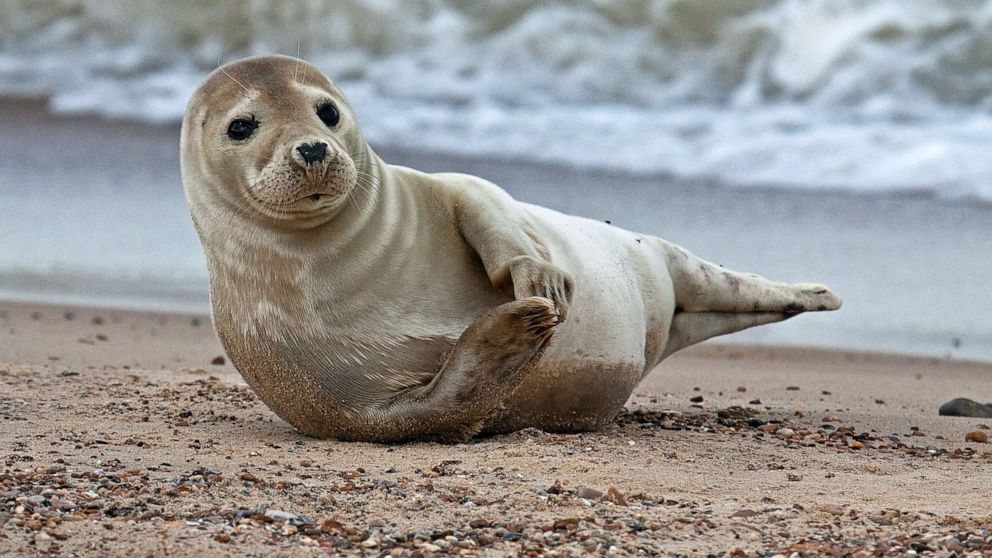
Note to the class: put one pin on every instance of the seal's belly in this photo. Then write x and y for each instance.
(616, 329)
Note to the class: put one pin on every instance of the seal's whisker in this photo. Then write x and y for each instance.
(371, 179)
(296, 68)
(221, 68)
(367, 184)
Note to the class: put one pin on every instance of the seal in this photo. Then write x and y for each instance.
(368, 301)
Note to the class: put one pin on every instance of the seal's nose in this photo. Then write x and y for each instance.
(312, 152)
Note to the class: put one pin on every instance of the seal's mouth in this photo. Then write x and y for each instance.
(301, 195)
(306, 199)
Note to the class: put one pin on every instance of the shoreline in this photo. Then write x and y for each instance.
(719, 348)
(125, 434)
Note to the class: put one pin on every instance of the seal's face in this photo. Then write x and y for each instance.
(273, 138)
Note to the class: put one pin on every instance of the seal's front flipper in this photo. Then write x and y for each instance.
(488, 362)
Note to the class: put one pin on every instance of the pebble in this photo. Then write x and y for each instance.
(280, 515)
(977, 436)
(588, 493)
(962, 407)
(785, 432)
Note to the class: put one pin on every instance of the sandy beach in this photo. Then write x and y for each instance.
(837, 143)
(124, 434)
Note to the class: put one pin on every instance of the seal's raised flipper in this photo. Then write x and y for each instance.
(701, 286)
(488, 362)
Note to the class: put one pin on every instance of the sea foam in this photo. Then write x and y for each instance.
(889, 95)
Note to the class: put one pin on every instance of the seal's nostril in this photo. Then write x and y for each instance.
(312, 152)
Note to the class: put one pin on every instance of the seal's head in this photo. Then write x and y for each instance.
(270, 138)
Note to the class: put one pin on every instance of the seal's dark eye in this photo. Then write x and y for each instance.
(241, 129)
(328, 114)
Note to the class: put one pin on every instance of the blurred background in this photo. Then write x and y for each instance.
(846, 142)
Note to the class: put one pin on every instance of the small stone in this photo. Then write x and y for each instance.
(616, 496)
(977, 436)
(962, 407)
(218, 361)
(222, 538)
(331, 526)
(741, 389)
(370, 542)
(249, 477)
(68, 373)
(754, 402)
(696, 399)
(785, 432)
(832, 509)
(792, 388)
(794, 477)
(280, 515)
(588, 493)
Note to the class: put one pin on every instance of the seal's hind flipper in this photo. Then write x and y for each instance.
(701, 286)
(691, 328)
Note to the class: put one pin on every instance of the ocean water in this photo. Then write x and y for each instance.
(670, 117)
(884, 95)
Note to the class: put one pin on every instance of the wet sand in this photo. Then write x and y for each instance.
(122, 437)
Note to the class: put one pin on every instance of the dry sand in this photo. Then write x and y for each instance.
(121, 438)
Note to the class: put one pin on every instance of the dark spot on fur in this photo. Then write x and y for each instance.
(792, 308)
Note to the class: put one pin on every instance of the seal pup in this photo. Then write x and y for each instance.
(368, 301)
